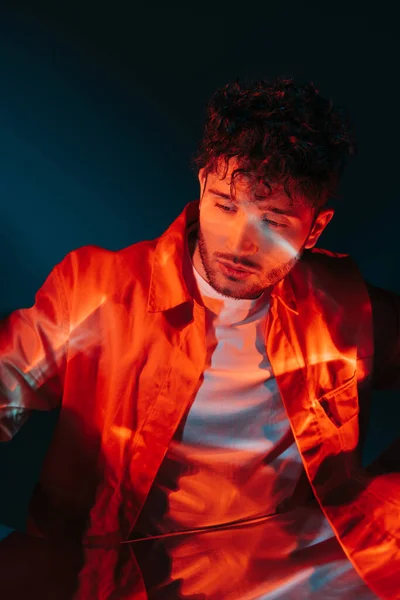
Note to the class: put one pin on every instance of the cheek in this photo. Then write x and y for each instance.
(280, 244)
(213, 232)
(211, 226)
(272, 240)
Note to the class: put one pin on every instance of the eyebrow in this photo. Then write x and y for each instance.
(288, 212)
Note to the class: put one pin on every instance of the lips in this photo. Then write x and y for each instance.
(233, 272)
(235, 267)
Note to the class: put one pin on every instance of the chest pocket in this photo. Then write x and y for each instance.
(341, 404)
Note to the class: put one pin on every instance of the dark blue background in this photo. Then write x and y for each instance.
(101, 109)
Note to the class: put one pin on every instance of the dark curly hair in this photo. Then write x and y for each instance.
(281, 132)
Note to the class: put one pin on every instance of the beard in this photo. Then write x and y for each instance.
(243, 290)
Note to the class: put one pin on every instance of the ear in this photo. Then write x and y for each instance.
(322, 220)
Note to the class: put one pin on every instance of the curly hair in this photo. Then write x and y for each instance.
(280, 132)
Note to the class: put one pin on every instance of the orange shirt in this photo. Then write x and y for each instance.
(117, 339)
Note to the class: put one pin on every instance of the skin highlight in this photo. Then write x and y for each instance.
(265, 236)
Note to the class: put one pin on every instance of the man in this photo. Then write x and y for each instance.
(214, 383)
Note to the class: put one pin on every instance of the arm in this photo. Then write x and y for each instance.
(386, 324)
(33, 349)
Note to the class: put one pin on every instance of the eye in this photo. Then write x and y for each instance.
(223, 207)
(273, 223)
(228, 209)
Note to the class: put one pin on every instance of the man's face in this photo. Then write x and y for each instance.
(262, 238)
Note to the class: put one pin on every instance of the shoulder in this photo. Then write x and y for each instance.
(331, 284)
(95, 263)
(323, 269)
(325, 259)
(333, 268)
(95, 282)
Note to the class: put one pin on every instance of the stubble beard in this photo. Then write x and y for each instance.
(238, 290)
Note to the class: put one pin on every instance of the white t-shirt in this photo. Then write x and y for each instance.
(223, 466)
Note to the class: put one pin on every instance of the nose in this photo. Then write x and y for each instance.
(242, 238)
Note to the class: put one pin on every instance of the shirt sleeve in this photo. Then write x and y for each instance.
(386, 325)
(33, 351)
